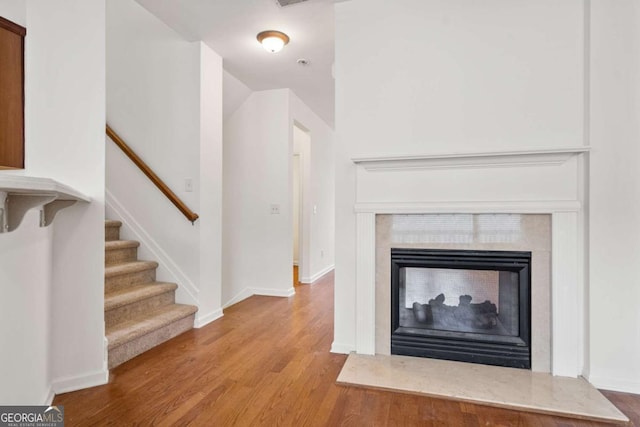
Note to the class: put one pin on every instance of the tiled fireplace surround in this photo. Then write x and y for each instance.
(539, 189)
(506, 232)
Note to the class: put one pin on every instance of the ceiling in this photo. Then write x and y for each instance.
(230, 27)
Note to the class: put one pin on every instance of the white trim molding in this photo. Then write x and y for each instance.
(249, 292)
(205, 319)
(484, 206)
(79, 382)
(614, 384)
(565, 314)
(339, 348)
(283, 293)
(537, 157)
(318, 275)
(240, 296)
(366, 283)
(50, 395)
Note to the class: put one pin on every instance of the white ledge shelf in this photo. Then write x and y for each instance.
(555, 156)
(19, 194)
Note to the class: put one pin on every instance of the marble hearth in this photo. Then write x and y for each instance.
(489, 385)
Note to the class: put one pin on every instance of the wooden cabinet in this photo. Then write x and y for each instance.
(11, 95)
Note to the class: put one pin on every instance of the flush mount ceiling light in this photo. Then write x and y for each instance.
(273, 41)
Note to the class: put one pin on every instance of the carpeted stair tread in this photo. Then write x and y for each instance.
(118, 251)
(129, 267)
(112, 230)
(150, 322)
(136, 293)
(139, 313)
(120, 244)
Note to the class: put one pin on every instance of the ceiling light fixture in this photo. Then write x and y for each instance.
(273, 41)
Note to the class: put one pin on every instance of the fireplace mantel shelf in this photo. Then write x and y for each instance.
(555, 156)
(19, 194)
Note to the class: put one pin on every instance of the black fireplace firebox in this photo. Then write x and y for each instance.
(469, 306)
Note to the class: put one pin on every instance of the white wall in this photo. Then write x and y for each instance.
(257, 250)
(66, 85)
(24, 380)
(615, 195)
(459, 75)
(14, 10)
(25, 283)
(449, 76)
(165, 100)
(57, 274)
(258, 148)
(235, 92)
(210, 222)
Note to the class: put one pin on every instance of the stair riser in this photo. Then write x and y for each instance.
(115, 256)
(122, 281)
(111, 233)
(131, 349)
(130, 311)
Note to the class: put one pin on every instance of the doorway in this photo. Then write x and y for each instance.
(296, 218)
(301, 203)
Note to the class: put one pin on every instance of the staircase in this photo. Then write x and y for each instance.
(139, 313)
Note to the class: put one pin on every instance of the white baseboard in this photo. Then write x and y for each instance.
(92, 379)
(285, 293)
(613, 384)
(105, 356)
(248, 292)
(342, 348)
(242, 295)
(48, 400)
(179, 276)
(319, 274)
(205, 319)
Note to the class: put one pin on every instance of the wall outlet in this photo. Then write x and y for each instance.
(188, 185)
(315, 209)
(321, 253)
(275, 209)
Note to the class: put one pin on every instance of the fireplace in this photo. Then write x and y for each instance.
(535, 184)
(464, 305)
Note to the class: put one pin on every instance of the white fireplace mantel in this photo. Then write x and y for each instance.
(534, 157)
(534, 181)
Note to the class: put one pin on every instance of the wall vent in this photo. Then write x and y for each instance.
(283, 3)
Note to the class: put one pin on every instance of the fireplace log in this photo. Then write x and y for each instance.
(483, 315)
(422, 313)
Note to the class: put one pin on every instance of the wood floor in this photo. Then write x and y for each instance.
(296, 276)
(267, 363)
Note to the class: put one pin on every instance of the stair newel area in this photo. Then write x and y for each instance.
(140, 312)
